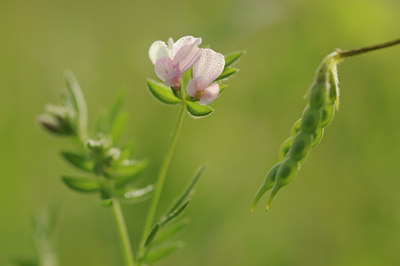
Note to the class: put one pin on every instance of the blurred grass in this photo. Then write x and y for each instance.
(342, 209)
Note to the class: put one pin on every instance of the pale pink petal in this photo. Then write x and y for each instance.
(186, 57)
(173, 77)
(163, 67)
(158, 49)
(191, 88)
(209, 66)
(209, 94)
(196, 87)
(187, 40)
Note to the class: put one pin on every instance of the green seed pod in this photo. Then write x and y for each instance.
(306, 132)
(284, 149)
(317, 136)
(311, 119)
(318, 94)
(327, 114)
(286, 172)
(284, 175)
(296, 127)
(300, 146)
(267, 185)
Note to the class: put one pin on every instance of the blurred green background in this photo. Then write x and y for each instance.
(343, 207)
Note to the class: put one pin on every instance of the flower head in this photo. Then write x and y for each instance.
(171, 61)
(206, 69)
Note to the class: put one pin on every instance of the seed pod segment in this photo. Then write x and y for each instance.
(267, 185)
(284, 175)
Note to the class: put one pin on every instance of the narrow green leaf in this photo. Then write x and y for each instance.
(101, 125)
(152, 234)
(79, 161)
(160, 253)
(127, 170)
(182, 202)
(162, 93)
(81, 184)
(187, 194)
(228, 71)
(172, 215)
(222, 87)
(118, 127)
(233, 57)
(169, 232)
(78, 102)
(116, 107)
(198, 110)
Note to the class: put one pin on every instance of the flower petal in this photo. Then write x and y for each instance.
(195, 86)
(170, 43)
(186, 57)
(209, 94)
(182, 42)
(163, 67)
(158, 49)
(209, 66)
(174, 77)
(191, 88)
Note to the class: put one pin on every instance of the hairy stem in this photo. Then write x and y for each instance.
(123, 233)
(160, 180)
(367, 49)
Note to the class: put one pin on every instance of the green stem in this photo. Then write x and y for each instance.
(123, 233)
(160, 181)
(367, 49)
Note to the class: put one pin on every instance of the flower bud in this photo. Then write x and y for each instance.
(57, 120)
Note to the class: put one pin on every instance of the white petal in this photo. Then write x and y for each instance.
(163, 67)
(186, 57)
(209, 66)
(209, 94)
(170, 43)
(157, 50)
(182, 42)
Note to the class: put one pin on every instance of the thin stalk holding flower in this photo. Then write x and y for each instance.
(161, 179)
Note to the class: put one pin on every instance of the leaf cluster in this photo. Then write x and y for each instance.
(109, 167)
(161, 241)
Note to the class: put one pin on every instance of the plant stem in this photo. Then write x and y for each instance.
(367, 49)
(123, 233)
(160, 181)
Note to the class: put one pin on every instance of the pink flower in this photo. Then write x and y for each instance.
(171, 61)
(206, 69)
